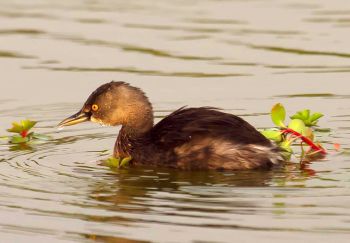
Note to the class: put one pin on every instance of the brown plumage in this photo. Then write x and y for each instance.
(189, 138)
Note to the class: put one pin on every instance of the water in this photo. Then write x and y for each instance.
(243, 56)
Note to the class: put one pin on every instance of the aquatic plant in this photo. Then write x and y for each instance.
(22, 132)
(298, 131)
(113, 162)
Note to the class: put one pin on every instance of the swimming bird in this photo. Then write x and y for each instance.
(189, 138)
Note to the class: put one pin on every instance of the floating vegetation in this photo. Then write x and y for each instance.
(300, 130)
(118, 163)
(22, 134)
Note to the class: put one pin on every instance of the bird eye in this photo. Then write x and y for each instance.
(94, 107)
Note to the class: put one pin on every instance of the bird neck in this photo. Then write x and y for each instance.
(135, 129)
(128, 140)
(138, 122)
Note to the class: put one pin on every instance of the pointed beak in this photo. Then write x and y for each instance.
(75, 119)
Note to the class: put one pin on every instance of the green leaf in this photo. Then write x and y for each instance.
(302, 115)
(125, 162)
(296, 116)
(118, 162)
(305, 114)
(28, 124)
(286, 145)
(16, 128)
(278, 115)
(24, 125)
(315, 116)
(287, 150)
(274, 135)
(297, 125)
(19, 139)
(309, 120)
(40, 136)
(113, 162)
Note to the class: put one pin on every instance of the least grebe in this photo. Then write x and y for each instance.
(188, 138)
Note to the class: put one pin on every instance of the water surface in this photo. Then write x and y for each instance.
(242, 56)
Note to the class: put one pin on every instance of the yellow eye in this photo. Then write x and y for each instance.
(94, 107)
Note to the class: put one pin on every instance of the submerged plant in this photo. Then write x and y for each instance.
(22, 132)
(299, 130)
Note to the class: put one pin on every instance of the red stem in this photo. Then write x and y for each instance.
(305, 140)
(24, 133)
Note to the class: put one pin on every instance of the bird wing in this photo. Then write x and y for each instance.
(185, 124)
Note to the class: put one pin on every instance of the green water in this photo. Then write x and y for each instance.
(242, 56)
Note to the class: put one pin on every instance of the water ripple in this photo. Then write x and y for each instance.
(138, 71)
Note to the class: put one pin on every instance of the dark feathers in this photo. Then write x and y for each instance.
(187, 123)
